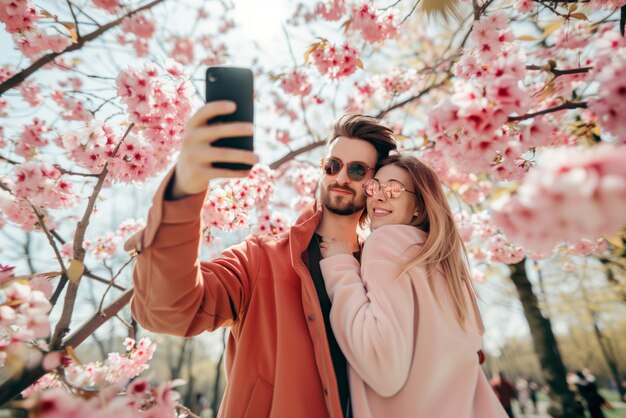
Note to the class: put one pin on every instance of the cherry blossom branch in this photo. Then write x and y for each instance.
(558, 72)
(413, 98)
(69, 4)
(293, 154)
(62, 326)
(8, 160)
(22, 379)
(564, 106)
(46, 59)
(112, 281)
(42, 223)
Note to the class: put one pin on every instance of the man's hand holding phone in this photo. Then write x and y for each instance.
(195, 168)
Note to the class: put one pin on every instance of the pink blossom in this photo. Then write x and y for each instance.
(41, 284)
(31, 93)
(573, 194)
(140, 25)
(18, 16)
(334, 61)
(32, 138)
(524, 6)
(109, 6)
(283, 137)
(6, 273)
(373, 25)
(43, 185)
(182, 50)
(271, 224)
(331, 10)
(296, 83)
(104, 247)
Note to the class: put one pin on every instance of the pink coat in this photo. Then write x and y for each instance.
(408, 355)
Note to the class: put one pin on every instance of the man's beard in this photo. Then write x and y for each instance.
(343, 209)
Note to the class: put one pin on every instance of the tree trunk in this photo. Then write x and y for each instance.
(561, 398)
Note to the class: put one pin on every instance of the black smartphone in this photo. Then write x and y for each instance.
(237, 85)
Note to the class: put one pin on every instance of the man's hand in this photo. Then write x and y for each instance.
(331, 247)
(194, 168)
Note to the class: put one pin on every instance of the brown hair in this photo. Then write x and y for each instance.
(367, 128)
(443, 252)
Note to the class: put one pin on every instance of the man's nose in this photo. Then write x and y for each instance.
(342, 177)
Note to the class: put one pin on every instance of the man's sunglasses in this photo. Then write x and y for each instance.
(392, 189)
(356, 169)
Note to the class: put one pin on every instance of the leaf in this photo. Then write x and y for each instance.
(359, 63)
(346, 25)
(45, 14)
(314, 47)
(552, 27)
(580, 16)
(526, 38)
(75, 270)
(573, 7)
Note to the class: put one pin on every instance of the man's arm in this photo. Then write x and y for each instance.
(174, 292)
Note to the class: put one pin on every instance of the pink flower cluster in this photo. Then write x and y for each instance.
(139, 400)
(24, 319)
(228, 206)
(373, 25)
(182, 50)
(42, 185)
(331, 10)
(586, 247)
(110, 6)
(215, 54)
(469, 127)
(159, 102)
(141, 29)
(36, 43)
(271, 223)
(18, 16)
(31, 92)
(32, 138)
(335, 61)
(72, 109)
(296, 83)
(573, 194)
(20, 212)
(610, 106)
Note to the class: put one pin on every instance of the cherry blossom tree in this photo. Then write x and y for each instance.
(516, 108)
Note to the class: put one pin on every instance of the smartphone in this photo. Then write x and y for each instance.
(235, 84)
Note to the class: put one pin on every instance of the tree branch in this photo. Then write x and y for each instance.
(558, 72)
(564, 106)
(46, 59)
(293, 154)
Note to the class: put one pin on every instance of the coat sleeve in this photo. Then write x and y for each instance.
(373, 313)
(175, 293)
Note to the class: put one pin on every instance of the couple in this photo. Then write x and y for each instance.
(315, 333)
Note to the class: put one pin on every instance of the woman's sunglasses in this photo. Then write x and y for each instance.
(392, 189)
(356, 169)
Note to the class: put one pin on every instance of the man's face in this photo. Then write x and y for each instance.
(340, 193)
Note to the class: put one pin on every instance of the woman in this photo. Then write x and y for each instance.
(407, 318)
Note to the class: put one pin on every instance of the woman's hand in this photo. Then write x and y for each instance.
(330, 247)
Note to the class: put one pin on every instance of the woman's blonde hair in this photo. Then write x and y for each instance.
(443, 252)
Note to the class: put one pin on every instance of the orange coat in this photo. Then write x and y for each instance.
(278, 362)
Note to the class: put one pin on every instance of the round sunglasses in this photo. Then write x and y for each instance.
(392, 189)
(356, 170)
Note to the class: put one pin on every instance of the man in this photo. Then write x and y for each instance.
(282, 358)
(505, 391)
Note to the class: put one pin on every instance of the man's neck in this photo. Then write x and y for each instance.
(341, 227)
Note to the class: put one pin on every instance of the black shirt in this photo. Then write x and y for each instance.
(339, 360)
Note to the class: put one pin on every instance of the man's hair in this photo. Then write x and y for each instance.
(366, 128)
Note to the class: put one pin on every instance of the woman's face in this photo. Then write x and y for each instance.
(385, 211)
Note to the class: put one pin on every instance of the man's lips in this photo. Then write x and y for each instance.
(341, 191)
